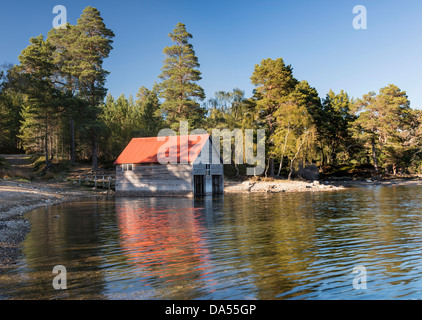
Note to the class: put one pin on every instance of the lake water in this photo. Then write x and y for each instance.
(238, 246)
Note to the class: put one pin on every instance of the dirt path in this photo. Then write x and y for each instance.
(18, 160)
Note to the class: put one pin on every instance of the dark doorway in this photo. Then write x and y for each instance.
(216, 184)
(199, 187)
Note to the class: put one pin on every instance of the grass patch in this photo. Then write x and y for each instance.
(16, 174)
(38, 163)
(7, 172)
(57, 171)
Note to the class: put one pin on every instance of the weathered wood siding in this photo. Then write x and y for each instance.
(170, 179)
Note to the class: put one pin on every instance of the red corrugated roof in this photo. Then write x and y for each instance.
(145, 150)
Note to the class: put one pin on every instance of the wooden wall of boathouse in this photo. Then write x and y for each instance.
(155, 179)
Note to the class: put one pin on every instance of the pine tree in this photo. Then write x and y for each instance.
(36, 68)
(384, 123)
(11, 103)
(333, 119)
(92, 46)
(66, 77)
(274, 83)
(149, 108)
(179, 88)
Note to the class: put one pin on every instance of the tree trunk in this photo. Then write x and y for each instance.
(271, 167)
(51, 148)
(374, 156)
(323, 160)
(333, 157)
(291, 169)
(295, 156)
(284, 149)
(94, 152)
(281, 165)
(72, 142)
(266, 169)
(47, 161)
(57, 148)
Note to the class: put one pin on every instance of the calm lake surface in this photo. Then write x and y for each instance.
(240, 246)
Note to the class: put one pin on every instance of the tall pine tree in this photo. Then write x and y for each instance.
(92, 46)
(66, 78)
(274, 83)
(384, 123)
(36, 69)
(179, 87)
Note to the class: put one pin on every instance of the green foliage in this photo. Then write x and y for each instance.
(38, 163)
(333, 119)
(150, 120)
(388, 127)
(92, 46)
(179, 87)
(55, 92)
(274, 82)
(230, 110)
(11, 102)
(125, 119)
(41, 106)
(294, 136)
(283, 105)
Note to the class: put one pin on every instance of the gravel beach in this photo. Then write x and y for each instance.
(276, 186)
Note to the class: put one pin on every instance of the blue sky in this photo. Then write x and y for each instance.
(230, 37)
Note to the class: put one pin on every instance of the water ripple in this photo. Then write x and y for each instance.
(278, 246)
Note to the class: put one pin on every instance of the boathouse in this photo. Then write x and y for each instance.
(171, 165)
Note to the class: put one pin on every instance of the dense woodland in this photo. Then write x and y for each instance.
(54, 103)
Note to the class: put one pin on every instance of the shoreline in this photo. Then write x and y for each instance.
(279, 186)
(20, 197)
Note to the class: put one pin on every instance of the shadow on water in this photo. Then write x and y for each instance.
(237, 246)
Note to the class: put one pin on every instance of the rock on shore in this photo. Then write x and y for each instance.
(279, 186)
(315, 186)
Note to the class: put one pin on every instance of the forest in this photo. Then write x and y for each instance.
(54, 104)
